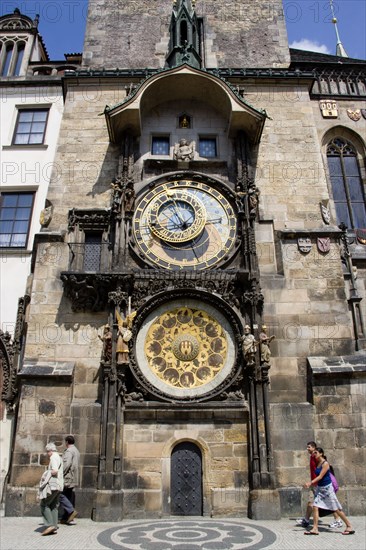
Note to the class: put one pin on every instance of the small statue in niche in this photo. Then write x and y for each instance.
(184, 121)
(183, 150)
(124, 335)
(264, 341)
(249, 345)
(107, 344)
(118, 191)
(129, 199)
(253, 194)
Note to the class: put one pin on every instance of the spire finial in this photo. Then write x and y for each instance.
(340, 51)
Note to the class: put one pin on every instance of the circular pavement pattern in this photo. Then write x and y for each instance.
(187, 535)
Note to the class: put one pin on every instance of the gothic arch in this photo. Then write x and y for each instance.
(356, 145)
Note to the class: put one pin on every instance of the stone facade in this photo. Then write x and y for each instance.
(288, 267)
(136, 34)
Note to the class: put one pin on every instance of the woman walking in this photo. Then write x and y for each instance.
(325, 496)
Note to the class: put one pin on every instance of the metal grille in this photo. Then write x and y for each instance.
(186, 480)
(93, 247)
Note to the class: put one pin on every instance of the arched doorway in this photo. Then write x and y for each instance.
(186, 480)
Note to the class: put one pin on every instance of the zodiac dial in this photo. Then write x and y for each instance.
(185, 350)
(184, 224)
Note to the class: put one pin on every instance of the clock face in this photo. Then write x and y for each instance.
(184, 224)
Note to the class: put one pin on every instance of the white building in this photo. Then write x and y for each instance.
(31, 107)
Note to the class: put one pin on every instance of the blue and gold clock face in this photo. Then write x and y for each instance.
(184, 225)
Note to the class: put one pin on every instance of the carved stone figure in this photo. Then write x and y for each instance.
(264, 341)
(107, 344)
(45, 216)
(249, 345)
(183, 150)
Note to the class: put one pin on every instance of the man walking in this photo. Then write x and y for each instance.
(305, 521)
(70, 461)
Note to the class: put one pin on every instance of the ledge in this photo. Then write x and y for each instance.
(296, 233)
(31, 146)
(347, 364)
(45, 369)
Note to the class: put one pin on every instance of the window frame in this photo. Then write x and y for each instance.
(156, 137)
(14, 220)
(32, 110)
(206, 137)
(345, 175)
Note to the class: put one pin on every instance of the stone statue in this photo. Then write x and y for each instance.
(183, 150)
(264, 341)
(249, 345)
(107, 344)
(45, 216)
(124, 335)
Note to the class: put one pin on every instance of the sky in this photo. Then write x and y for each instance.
(309, 26)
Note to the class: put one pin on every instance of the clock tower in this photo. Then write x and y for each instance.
(176, 289)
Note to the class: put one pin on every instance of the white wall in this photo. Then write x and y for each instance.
(24, 168)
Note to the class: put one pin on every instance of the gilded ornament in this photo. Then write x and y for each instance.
(186, 347)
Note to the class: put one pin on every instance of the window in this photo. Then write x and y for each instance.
(207, 147)
(160, 145)
(8, 56)
(20, 55)
(15, 216)
(93, 249)
(346, 184)
(30, 127)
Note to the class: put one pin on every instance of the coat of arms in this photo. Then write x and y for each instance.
(354, 115)
(304, 244)
(323, 244)
(325, 213)
(328, 108)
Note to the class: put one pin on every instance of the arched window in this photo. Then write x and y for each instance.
(347, 188)
(7, 60)
(20, 55)
(183, 33)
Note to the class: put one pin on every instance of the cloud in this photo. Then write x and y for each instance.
(310, 45)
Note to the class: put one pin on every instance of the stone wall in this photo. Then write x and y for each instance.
(135, 34)
(149, 438)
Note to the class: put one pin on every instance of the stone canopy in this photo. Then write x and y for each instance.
(180, 83)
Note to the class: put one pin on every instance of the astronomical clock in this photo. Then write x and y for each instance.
(185, 224)
(185, 347)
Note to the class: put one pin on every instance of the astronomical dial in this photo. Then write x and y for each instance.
(184, 225)
(185, 350)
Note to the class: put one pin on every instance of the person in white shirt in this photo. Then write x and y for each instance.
(50, 504)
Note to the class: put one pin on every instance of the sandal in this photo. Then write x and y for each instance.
(310, 533)
(346, 532)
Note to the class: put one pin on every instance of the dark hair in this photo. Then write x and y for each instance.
(312, 443)
(320, 450)
(70, 439)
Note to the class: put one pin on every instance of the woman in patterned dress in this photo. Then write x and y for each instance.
(325, 496)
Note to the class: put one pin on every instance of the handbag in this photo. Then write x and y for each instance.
(334, 482)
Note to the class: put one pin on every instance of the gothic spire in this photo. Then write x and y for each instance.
(340, 51)
(185, 34)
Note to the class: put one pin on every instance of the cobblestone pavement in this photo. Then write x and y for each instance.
(177, 534)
